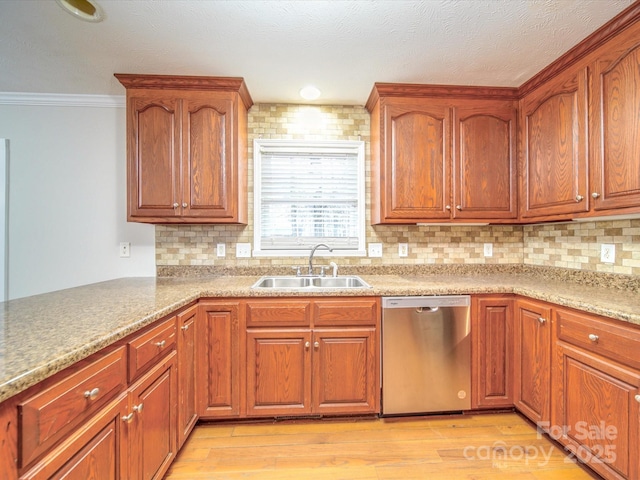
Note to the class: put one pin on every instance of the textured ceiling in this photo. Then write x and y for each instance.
(342, 47)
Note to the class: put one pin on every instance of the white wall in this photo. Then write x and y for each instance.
(67, 198)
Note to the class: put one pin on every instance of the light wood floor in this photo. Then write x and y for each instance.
(479, 447)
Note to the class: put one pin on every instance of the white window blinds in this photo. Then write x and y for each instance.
(309, 193)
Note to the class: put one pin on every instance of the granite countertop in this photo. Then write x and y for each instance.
(44, 334)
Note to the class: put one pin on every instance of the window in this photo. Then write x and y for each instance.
(307, 193)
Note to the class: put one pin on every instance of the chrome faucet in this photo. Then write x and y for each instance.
(313, 250)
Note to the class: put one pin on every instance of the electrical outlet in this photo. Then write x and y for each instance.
(243, 250)
(488, 249)
(403, 249)
(607, 253)
(375, 249)
(125, 249)
(221, 250)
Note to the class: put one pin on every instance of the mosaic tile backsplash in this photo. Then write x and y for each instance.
(569, 245)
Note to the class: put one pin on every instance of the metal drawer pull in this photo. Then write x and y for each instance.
(542, 320)
(138, 408)
(184, 205)
(307, 345)
(184, 328)
(316, 344)
(595, 195)
(458, 207)
(593, 337)
(579, 198)
(128, 418)
(161, 344)
(448, 207)
(176, 205)
(92, 394)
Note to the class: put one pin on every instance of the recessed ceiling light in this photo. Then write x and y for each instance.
(87, 10)
(309, 92)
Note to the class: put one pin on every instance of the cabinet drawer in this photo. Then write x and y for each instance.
(278, 313)
(146, 349)
(600, 336)
(52, 414)
(342, 312)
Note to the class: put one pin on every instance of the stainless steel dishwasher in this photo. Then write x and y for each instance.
(426, 354)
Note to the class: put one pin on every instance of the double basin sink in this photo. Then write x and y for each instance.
(276, 282)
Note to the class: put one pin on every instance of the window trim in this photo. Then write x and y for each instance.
(311, 146)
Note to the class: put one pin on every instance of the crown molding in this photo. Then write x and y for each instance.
(61, 100)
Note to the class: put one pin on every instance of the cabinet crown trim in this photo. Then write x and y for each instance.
(186, 82)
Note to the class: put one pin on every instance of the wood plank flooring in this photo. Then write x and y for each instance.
(478, 447)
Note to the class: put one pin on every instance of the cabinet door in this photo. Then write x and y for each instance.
(278, 372)
(532, 348)
(153, 425)
(615, 128)
(153, 137)
(218, 380)
(97, 450)
(416, 171)
(492, 360)
(599, 417)
(208, 167)
(484, 163)
(187, 414)
(554, 141)
(345, 371)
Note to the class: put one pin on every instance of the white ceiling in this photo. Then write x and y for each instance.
(341, 46)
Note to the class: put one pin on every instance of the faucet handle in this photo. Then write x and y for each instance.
(297, 269)
(322, 270)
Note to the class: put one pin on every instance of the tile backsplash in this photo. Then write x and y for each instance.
(569, 245)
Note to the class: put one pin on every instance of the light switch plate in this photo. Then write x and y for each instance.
(221, 250)
(488, 249)
(243, 250)
(125, 249)
(403, 249)
(608, 253)
(375, 249)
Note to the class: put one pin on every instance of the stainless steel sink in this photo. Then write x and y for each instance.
(311, 283)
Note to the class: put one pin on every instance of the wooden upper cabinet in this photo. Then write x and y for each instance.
(433, 147)
(615, 127)
(187, 149)
(484, 160)
(554, 147)
(415, 179)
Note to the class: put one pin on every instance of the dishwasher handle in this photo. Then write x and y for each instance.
(435, 301)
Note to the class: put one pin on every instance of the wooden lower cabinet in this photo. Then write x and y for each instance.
(98, 450)
(532, 359)
(597, 415)
(492, 351)
(278, 372)
(187, 413)
(344, 378)
(219, 365)
(153, 421)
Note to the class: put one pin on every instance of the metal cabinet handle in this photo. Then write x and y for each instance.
(184, 205)
(579, 198)
(138, 408)
(176, 205)
(542, 320)
(593, 337)
(128, 418)
(307, 345)
(161, 344)
(184, 328)
(92, 394)
(448, 207)
(638, 398)
(595, 195)
(316, 344)
(458, 207)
